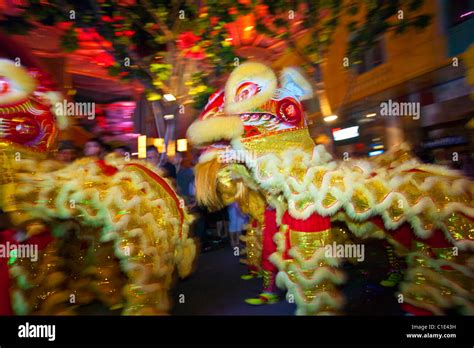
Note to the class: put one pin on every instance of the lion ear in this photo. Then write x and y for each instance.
(293, 80)
(253, 72)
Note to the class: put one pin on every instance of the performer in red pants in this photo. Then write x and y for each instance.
(269, 293)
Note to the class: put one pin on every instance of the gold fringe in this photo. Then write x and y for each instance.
(206, 184)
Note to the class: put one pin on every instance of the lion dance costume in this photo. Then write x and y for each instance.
(113, 230)
(258, 151)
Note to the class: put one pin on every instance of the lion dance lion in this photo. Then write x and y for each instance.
(257, 151)
(110, 230)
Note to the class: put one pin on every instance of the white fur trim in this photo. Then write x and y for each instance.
(274, 173)
(53, 98)
(249, 72)
(215, 129)
(209, 156)
(22, 84)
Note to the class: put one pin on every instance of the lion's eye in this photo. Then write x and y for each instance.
(4, 85)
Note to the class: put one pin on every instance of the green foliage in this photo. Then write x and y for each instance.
(114, 70)
(69, 40)
(200, 90)
(144, 30)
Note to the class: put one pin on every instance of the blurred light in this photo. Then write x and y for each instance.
(376, 139)
(373, 114)
(171, 149)
(345, 133)
(330, 118)
(182, 145)
(322, 139)
(168, 117)
(467, 14)
(250, 27)
(169, 97)
(378, 147)
(375, 153)
(124, 103)
(142, 146)
(159, 143)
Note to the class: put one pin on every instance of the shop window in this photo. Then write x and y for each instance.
(373, 57)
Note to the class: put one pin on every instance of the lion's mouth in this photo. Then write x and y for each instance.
(258, 117)
(264, 121)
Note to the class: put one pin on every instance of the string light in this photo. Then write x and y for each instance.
(142, 146)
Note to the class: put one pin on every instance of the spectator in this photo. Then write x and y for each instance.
(152, 155)
(123, 151)
(237, 222)
(169, 170)
(67, 152)
(95, 148)
(184, 177)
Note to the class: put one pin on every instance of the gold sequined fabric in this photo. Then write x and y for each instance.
(135, 225)
(279, 142)
(395, 187)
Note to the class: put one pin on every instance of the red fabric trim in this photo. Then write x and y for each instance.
(270, 227)
(5, 305)
(415, 171)
(314, 223)
(403, 235)
(437, 240)
(415, 310)
(106, 169)
(165, 185)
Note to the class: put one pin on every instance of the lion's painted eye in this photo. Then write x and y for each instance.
(246, 90)
(4, 85)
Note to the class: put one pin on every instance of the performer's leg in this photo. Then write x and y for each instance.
(395, 273)
(310, 276)
(253, 250)
(269, 270)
